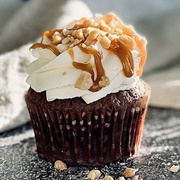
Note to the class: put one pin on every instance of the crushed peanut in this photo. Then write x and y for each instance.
(129, 172)
(128, 41)
(88, 23)
(93, 174)
(66, 32)
(79, 34)
(121, 178)
(174, 168)
(92, 36)
(104, 81)
(102, 24)
(66, 41)
(84, 81)
(108, 178)
(56, 38)
(60, 165)
(105, 42)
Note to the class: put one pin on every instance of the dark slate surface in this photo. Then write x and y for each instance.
(160, 150)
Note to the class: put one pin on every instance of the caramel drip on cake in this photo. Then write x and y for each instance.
(125, 56)
(88, 67)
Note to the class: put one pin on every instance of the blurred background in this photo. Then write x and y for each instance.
(22, 21)
(158, 21)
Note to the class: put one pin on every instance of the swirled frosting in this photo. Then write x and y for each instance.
(90, 58)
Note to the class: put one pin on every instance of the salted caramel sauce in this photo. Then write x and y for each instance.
(88, 67)
(125, 56)
(71, 53)
(46, 46)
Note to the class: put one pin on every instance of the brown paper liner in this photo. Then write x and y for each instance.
(88, 135)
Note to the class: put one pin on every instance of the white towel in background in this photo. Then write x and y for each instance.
(37, 17)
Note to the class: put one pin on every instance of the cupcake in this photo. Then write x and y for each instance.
(86, 100)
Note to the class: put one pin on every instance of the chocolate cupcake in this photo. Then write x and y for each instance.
(86, 101)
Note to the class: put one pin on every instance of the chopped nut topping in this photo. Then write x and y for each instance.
(108, 178)
(56, 38)
(66, 32)
(128, 41)
(102, 24)
(129, 172)
(118, 31)
(174, 168)
(104, 81)
(79, 34)
(66, 41)
(88, 23)
(60, 165)
(92, 36)
(105, 42)
(86, 32)
(84, 81)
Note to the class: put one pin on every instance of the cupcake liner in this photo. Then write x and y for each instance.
(87, 136)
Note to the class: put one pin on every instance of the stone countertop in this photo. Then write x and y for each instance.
(160, 150)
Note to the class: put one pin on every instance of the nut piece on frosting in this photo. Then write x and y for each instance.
(104, 81)
(84, 82)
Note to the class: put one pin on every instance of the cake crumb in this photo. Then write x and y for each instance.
(129, 172)
(174, 168)
(60, 165)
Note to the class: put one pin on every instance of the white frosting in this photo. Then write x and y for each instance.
(57, 76)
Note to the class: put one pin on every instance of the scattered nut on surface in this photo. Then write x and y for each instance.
(136, 177)
(121, 178)
(60, 165)
(34, 149)
(84, 81)
(93, 174)
(129, 172)
(108, 178)
(174, 168)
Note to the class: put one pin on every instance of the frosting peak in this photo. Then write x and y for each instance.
(89, 58)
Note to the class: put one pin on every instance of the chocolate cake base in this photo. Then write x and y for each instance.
(93, 134)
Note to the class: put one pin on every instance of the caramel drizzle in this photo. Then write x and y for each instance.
(125, 56)
(88, 67)
(117, 47)
(46, 46)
